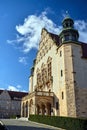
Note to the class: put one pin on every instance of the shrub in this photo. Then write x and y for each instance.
(67, 123)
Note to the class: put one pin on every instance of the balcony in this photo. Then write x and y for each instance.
(38, 93)
(44, 93)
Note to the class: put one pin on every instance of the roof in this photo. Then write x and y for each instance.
(55, 38)
(15, 95)
(84, 50)
(1, 91)
(67, 18)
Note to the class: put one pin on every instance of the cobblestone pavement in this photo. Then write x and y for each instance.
(14, 124)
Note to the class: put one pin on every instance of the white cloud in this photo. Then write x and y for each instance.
(23, 60)
(28, 34)
(81, 26)
(13, 88)
(2, 88)
(18, 86)
(30, 31)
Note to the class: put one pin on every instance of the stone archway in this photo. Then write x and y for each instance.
(43, 109)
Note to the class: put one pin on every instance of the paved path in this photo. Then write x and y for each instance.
(14, 124)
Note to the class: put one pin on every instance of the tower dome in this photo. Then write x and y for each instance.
(68, 33)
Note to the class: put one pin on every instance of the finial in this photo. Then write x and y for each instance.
(67, 14)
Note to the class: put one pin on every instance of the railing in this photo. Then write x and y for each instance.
(43, 93)
(38, 93)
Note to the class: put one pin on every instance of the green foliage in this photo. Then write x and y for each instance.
(67, 123)
(13, 116)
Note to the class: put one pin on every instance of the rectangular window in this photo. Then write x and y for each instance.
(60, 53)
(61, 73)
(62, 95)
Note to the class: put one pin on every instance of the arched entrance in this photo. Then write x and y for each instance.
(43, 109)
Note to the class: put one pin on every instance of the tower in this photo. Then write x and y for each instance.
(68, 39)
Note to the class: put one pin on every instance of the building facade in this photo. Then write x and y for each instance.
(58, 80)
(10, 103)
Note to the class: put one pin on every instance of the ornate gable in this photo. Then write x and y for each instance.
(47, 41)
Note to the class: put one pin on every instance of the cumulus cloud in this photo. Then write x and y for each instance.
(13, 88)
(29, 33)
(81, 26)
(1, 88)
(23, 60)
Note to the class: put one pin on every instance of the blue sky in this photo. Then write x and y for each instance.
(21, 22)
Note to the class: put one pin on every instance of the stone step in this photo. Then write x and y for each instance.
(23, 118)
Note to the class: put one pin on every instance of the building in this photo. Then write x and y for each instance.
(10, 103)
(58, 80)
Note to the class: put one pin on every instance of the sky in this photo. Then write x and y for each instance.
(21, 22)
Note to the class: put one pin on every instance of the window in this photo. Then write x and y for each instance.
(60, 53)
(62, 95)
(66, 37)
(49, 90)
(57, 106)
(61, 73)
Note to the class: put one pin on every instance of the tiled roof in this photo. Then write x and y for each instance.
(15, 95)
(84, 50)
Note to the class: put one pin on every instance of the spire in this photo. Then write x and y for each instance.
(67, 21)
(67, 14)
